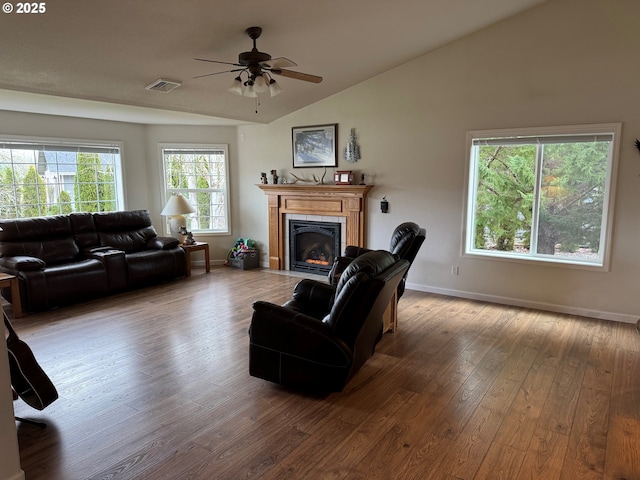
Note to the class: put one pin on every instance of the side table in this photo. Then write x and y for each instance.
(11, 281)
(194, 248)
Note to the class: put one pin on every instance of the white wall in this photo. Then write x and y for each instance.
(9, 460)
(564, 62)
(155, 135)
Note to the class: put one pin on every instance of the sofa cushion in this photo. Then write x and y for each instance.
(128, 242)
(124, 220)
(84, 230)
(63, 284)
(47, 238)
(128, 231)
(152, 265)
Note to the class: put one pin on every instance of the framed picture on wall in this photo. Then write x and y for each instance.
(315, 146)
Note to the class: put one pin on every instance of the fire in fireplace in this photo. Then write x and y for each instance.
(313, 245)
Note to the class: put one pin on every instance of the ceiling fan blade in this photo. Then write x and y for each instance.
(297, 75)
(280, 62)
(218, 73)
(216, 61)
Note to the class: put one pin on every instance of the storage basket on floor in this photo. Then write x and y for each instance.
(246, 260)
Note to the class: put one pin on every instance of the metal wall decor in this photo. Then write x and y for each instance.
(352, 150)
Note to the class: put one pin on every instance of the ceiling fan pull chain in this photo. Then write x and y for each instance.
(257, 102)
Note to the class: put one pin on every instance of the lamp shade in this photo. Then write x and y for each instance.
(177, 205)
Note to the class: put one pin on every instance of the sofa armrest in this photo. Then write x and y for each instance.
(162, 243)
(312, 298)
(115, 265)
(22, 263)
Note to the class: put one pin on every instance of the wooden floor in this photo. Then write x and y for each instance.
(153, 384)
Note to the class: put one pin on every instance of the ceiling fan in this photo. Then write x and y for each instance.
(259, 67)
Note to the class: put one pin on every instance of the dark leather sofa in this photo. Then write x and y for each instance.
(69, 258)
(321, 337)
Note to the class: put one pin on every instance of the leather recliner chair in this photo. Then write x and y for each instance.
(321, 337)
(406, 240)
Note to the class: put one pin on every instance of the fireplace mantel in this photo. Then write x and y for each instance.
(349, 201)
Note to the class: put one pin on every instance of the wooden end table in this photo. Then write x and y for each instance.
(194, 248)
(11, 281)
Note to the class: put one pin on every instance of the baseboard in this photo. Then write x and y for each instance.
(17, 476)
(201, 263)
(516, 302)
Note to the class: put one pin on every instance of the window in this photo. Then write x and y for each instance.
(57, 177)
(200, 173)
(543, 194)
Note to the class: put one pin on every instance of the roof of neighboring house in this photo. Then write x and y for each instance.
(61, 162)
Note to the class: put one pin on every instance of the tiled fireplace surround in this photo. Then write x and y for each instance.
(344, 204)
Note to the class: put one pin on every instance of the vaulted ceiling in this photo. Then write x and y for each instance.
(93, 58)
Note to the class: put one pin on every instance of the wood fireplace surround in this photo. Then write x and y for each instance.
(349, 201)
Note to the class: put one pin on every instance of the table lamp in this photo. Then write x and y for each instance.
(175, 209)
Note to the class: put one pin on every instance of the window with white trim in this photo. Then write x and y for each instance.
(200, 173)
(542, 194)
(57, 176)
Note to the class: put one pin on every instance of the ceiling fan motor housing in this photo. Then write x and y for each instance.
(254, 57)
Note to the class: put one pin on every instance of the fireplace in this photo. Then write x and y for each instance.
(348, 202)
(313, 245)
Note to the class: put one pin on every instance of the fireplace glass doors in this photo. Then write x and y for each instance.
(313, 245)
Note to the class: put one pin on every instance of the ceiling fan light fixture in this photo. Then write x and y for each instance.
(259, 85)
(274, 88)
(249, 91)
(236, 86)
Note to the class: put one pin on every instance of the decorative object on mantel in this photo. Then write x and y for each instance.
(313, 178)
(343, 177)
(274, 177)
(384, 205)
(352, 150)
(362, 179)
(314, 146)
(263, 178)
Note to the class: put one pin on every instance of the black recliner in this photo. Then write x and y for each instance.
(406, 240)
(321, 337)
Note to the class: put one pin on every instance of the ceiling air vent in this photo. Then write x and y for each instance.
(161, 85)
